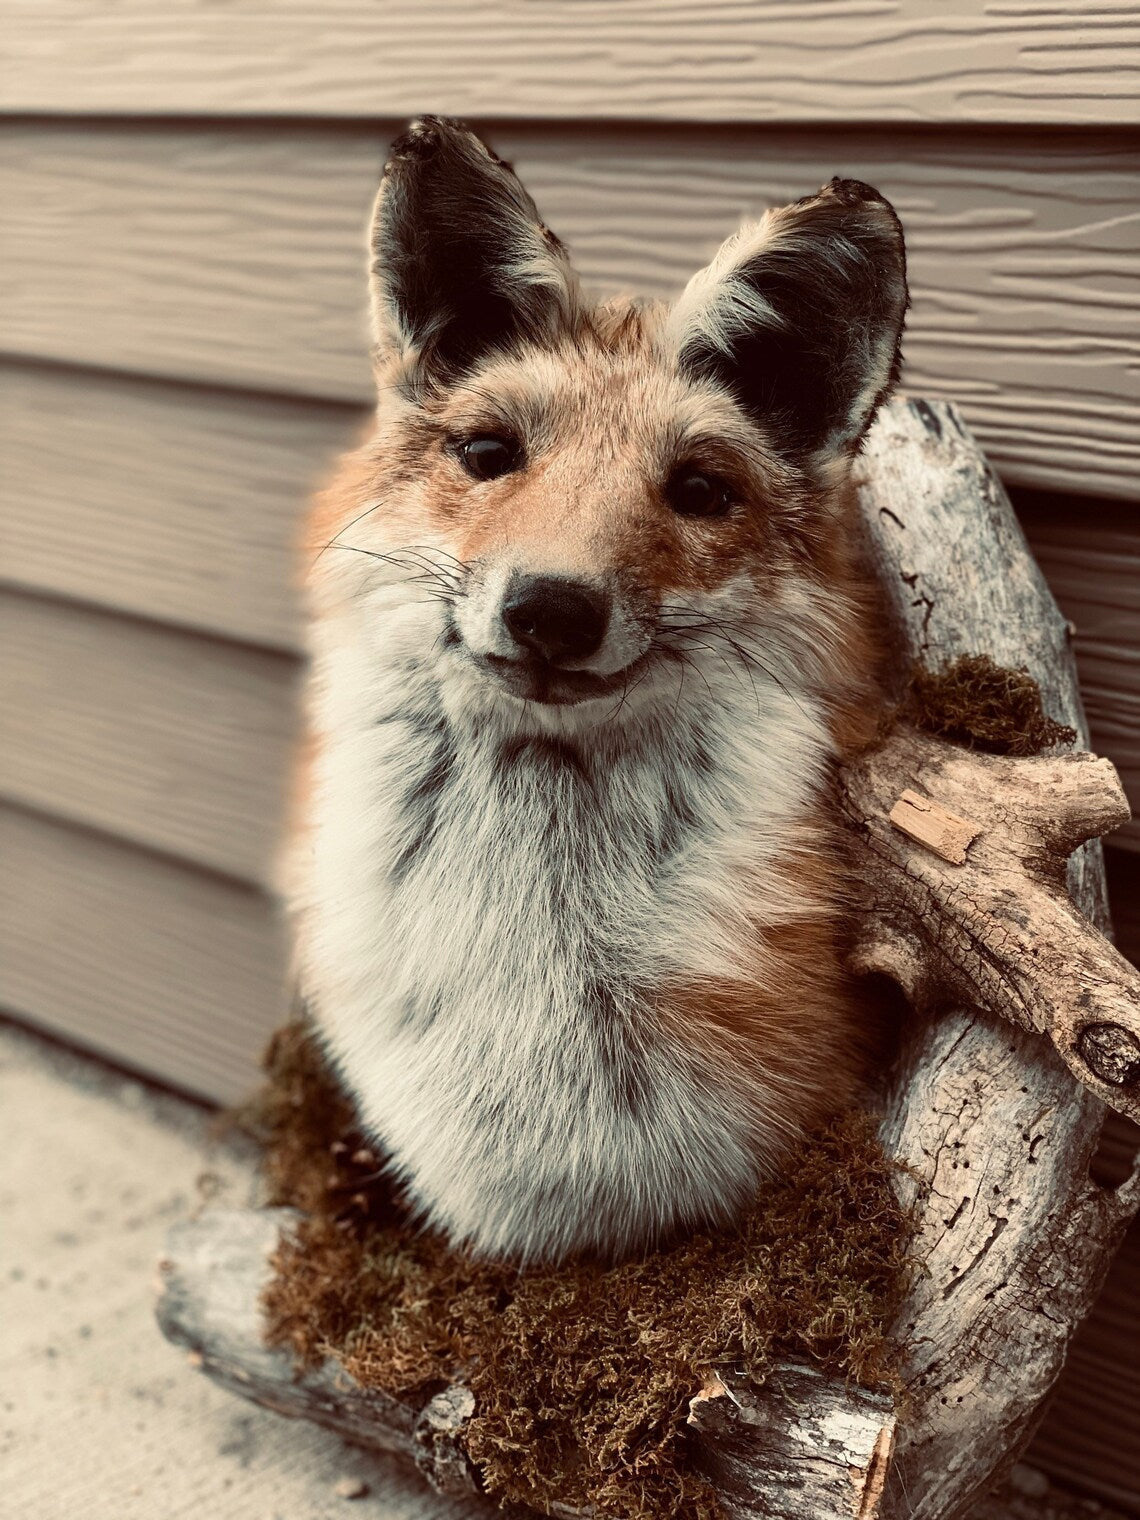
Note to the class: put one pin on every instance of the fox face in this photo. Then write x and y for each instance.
(586, 634)
(593, 489)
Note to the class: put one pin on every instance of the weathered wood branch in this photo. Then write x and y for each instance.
(802, 1445)
(211, 1280)
(964, 861)
(987, 918)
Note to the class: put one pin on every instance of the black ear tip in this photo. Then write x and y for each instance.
(853, 192)
(427, 136)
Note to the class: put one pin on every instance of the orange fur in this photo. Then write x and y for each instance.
(789, 1022)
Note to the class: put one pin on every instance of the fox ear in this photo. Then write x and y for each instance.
(800, 315)
(461, 263)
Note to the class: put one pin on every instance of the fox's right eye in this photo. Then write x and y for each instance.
(489, 456)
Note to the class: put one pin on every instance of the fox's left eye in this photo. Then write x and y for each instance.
(488, 456)
(696, 493)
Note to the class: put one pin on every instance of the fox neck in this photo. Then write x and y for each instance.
(488, 907)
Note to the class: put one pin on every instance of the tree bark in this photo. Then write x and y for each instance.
(995, 1131)
(211, 1280)
(1017, 995)
(802, 1445)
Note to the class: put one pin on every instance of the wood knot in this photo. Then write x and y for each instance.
(1112, 1052)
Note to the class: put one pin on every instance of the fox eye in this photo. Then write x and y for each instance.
(488, 456)
(695, 493)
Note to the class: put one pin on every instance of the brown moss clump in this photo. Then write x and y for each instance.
(984, 706)
(582, 1373)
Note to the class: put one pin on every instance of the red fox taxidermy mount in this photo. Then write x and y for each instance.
(586, 639)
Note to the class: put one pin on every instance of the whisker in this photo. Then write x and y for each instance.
(717, 628)
(721, 655)
(446, 554)
(747, 658)
(627, 687)
(681, 663)
(682, 659)
(368, 511)
(420, 555)
(446, 589)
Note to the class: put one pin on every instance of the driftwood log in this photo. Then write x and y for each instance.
(993, 1124)
(819, 1441)
(984, 903)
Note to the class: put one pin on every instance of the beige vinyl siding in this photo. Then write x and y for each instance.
(162, 968)
(183, 352)
(175, 742)
(167, 501)
(1090, 1436)
(1093, 1423)
(640, 60)
(1092, 1427)
(1090, 553)
(181, 506)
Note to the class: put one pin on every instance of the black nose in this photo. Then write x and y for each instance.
(556, 618)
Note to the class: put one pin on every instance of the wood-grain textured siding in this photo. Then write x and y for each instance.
(1009, 61)
(182, 352)
(1092, 1426)
(177, 743)
(154, 964)
(237, 257)
(1090, 553)
(166, 501)
(1090, 1436)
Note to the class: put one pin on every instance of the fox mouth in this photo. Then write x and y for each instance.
(535, 680)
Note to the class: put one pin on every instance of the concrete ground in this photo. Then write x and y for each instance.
(101, 1419)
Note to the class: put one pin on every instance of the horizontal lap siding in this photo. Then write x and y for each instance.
(1091, 1431)
(237, 258)
(166, 501)
(175, 742)
(157, 966)
(181, 505)
(705, 60)
(1090, 553)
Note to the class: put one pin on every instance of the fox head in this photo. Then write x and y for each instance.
(564, 505)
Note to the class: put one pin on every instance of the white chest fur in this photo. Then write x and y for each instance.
(489, 914)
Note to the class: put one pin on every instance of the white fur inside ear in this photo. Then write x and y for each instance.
(535, 265)
(718, 305)
(838, 319)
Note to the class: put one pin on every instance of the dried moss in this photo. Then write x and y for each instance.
(314, 1155)
(984, 706)
(581, 1374)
